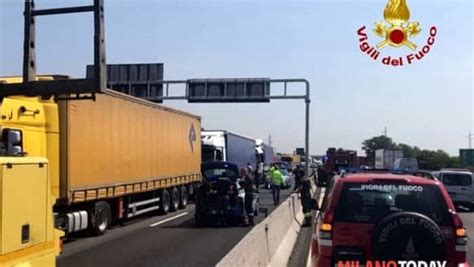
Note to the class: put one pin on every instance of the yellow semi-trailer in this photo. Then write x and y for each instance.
(121, 156)
(109, 159)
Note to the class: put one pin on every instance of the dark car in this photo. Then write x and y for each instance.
(383, 216)
(220, 198)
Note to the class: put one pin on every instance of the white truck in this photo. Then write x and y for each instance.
(221, 145)
(385, 159)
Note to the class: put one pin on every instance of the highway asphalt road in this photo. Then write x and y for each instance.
(170, 240)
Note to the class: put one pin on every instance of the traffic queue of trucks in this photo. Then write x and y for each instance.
(133, 157)
(102, 162)
(347, 160)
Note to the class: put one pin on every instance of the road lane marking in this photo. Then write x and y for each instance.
(169, 219)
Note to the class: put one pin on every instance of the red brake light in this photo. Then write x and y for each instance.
(456, 220)
(459, 229)
(328, 216)
(461, 238)
(325, 229)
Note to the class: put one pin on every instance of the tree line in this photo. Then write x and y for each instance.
(427, 159)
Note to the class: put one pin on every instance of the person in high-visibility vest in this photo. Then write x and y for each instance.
(276, 180)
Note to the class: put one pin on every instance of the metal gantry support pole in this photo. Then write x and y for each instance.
(307, 100)
(306, 141)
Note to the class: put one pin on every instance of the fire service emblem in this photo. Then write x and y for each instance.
(397, 31)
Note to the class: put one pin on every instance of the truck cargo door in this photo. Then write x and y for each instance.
(23, 204)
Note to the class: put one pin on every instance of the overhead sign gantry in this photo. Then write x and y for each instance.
(145, 81)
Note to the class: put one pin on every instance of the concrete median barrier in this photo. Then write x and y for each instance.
(270, 242)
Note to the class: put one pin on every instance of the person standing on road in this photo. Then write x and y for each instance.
(304, 188)
(250, 200)
(276, 179)
(299, 175)
(322, 176)
(306, 196)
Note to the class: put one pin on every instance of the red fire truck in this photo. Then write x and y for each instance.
(340, 159)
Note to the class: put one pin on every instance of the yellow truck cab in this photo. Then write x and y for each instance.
(29, 146)
(27, 233)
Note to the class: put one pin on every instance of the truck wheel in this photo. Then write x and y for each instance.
(183, 197)
(174, 199)
(164, 201)
(101, 218)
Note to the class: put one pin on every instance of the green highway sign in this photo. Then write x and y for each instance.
(467, 157)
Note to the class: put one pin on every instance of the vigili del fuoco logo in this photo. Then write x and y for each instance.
(396, 31)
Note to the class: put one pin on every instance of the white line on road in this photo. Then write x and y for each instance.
(169, 219)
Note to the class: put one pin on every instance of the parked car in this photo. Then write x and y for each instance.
(287, 179)
(459, 185)
(384, 216)
(220, 198)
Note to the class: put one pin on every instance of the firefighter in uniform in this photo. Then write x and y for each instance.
(306, 196)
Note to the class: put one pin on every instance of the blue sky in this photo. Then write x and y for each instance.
(428, 103)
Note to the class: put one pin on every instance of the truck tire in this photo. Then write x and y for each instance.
(183, 197)
(174, 193)
(164, 201)
(100, 218)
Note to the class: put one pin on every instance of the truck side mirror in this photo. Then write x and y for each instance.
(13, 142)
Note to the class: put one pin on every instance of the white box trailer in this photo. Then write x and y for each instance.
(385, 158)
